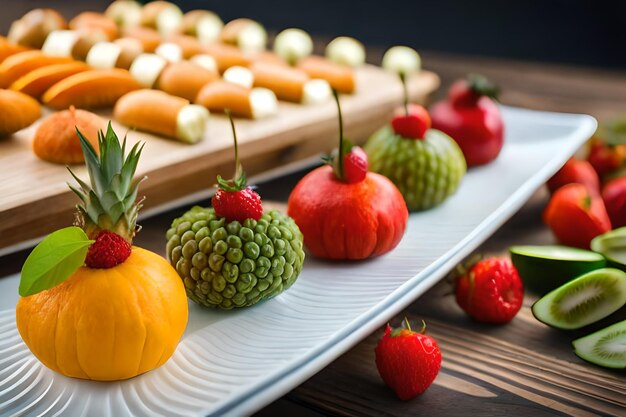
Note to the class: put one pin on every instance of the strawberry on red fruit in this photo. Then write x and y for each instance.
(614, 197)
(491, 291)
(603, 158)
(108, 250)
(411, 122)
(471, 117)
(576, 215)
(576, 171)
(355, 165)
(407, 361)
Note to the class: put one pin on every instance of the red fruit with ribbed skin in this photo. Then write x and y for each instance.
(348, 221)
(575, 171)
(407, 361)
(473, 120)
(412, 125)
(354, 165)
(576, 215)
(237, 205)
(614, 197)
(491, 291)
(109, 250)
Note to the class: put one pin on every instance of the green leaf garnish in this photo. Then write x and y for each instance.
(53, 260)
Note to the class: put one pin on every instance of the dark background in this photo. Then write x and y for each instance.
(582, 32)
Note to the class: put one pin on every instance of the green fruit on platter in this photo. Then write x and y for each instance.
(426, 171)
(613, 246)
(584, 300)
(606, 347)
(544, 268)
(232, 264)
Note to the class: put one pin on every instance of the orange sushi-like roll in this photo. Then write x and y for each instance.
(38, 81)
(340, 77)
(9, 48)
(161, 113)
(17, 111)
(22, 63)
(90, 89)
(185, 79)
(149, 38)
(253, 103)
(289, 84)
(227, 56)
(92, 21)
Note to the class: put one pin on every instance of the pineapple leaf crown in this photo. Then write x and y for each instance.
(109, 199)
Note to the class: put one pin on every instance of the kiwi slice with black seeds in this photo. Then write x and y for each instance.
(584, 300)
(606, 347)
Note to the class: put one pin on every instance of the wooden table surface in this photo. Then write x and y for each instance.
(523, 368)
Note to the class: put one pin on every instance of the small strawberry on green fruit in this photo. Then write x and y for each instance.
(576, 215)
(407, 361)
(490, 291)
(411, 121)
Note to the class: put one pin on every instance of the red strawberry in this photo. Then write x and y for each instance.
(605, 159)
(407, 361)
(355, 165)
(411, 123)
(235, 203)
(576, 216)
(614, 197)
(575, 171)
(109, 250)
(491, 291)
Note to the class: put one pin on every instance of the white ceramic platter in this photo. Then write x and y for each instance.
(234, 363)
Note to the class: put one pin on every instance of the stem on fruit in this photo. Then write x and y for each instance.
(232, 126)
(406, 324)
(340, 153)
(405, 93)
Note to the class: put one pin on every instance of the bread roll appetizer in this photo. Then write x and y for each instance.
(253, 103)
(125, 13)
(22, 63)
(131, 49)
(340, 77)
(60, 43)
(345, 50)
(246, 34)
(146, 69)
(290, 84)
(185, 79)
(203, 24)
(293, 44)
(92, 22)
(56, 140)
(17, 111)
(149, 38)
(227, 56)
(188, 45)
(161, 113)
(164, 16)
(86, 41)
(90, 89)
(38, 81)
(9, 48)
(33, 28)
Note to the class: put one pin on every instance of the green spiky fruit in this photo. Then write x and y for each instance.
(108, 201)
(426, 171)
(232, 264)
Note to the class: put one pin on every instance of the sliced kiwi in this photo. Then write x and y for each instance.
(613, 246)
(544, 268)
(584, 300)
(606, 347)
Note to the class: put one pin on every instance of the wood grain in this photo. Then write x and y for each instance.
(36, 200)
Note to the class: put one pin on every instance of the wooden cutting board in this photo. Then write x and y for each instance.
(35, 198)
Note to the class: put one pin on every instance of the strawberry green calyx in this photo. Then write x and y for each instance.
(480, 85)
(406, 330)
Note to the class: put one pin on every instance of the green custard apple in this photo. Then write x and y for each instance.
(425, 164)
(234, 264)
